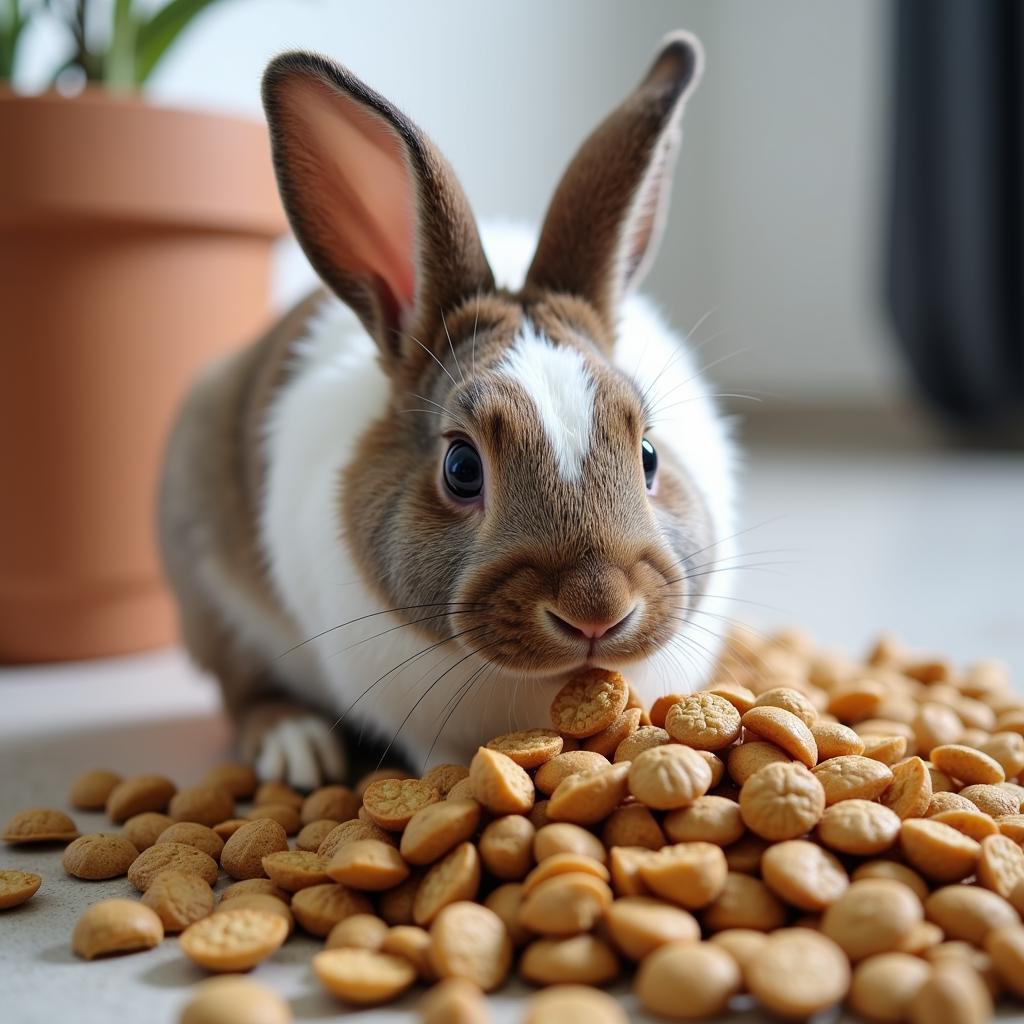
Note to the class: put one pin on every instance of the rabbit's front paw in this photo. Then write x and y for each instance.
(287, 743)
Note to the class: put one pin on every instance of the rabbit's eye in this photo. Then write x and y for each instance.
(463, 470)
(650, 457)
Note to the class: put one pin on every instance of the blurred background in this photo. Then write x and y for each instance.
(844, 242)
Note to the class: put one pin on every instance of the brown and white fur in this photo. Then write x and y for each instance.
(322, 567)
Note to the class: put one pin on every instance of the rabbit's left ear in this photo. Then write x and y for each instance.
(375, 206)
(605, 220)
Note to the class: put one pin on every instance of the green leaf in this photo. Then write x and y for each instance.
(157, 34)
(12, 20)
(119, 66)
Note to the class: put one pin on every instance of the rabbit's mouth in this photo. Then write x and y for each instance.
(596, 638)
(549, 638)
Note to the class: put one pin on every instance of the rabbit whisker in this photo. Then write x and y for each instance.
(400, 665)
(384, 611)
(424, 694)
(429, 353)
(411, 622)
(451, 345)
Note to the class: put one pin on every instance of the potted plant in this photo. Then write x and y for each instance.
(135, 246)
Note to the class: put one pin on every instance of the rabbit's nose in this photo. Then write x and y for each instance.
(592, 629)
(593, 600)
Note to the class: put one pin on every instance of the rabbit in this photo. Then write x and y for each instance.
(430, 494)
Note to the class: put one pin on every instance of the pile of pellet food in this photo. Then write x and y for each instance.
(807, 832)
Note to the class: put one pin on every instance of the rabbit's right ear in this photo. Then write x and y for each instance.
(604, 222)
(376, 208)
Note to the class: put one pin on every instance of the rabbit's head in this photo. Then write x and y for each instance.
(513, 496)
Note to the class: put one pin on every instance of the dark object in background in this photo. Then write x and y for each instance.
(956, 271)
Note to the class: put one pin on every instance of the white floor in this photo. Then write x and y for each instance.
(929, 547)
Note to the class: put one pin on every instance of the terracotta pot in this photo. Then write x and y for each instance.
(135, 247)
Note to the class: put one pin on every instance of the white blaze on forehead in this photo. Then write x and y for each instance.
(560, 386)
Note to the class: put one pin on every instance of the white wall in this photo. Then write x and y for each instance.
(776, 218)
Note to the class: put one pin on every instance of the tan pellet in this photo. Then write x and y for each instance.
(234, 940)
(852, 777)
(969, 912)
(883, 986)
(566, 904)
(638, 925)
(39, 825)
(581, 960)
(469, 941)
(803, 874)
(798, 973)
(437, 828)
(589, 702)
(785, 730)
(367, 865)
(98, 856)
(703, 721)
(744, 902)
(709, 819)
(360, 931)
(872, 916)
(454, 1001)
(192, 834)
(705, 972)
(319, 908)
(363, 977)
(782, 801)
(454, 878)
(564, 837)
(178, 899)
(235, 1000)
(391, 803)
(89, 792)
(506, 846)
(859, 827)
(292, 870)
(939, 852)
(499, 784)
(570, 1004)
(691, 875)
(116, 926)
(414, 944)
(242, 856)
(17, 887)
(952, 994)
(589, 797)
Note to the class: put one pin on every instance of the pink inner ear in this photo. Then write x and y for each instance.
(365, 190)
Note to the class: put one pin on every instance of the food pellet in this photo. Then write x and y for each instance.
(17, 887)
(572, 1004)
(178, 899)
(687, 980)
(471, 942)
(360, 931)
(139, 794)
(242, 856)
(363, 977)
(39, 825)
(116, 926)
(234, 940)
(798, 973)
(89, 792)
(455, 1001)
(192, 834)
(234, 1000)
(99, 856)
(171, 856)
(292, 870)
